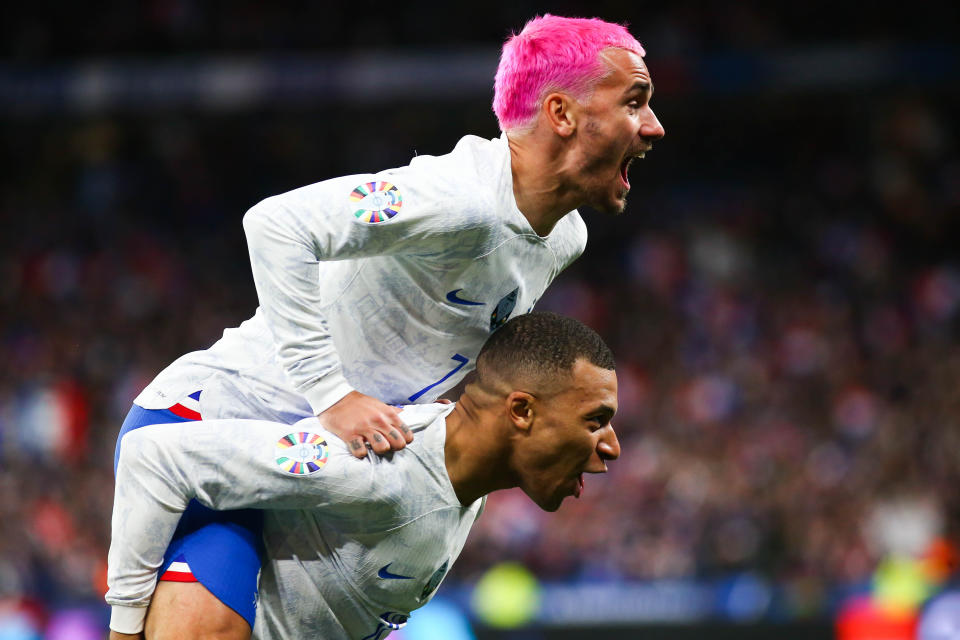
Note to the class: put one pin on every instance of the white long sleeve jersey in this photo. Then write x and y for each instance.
(387, 284)
(353, 546)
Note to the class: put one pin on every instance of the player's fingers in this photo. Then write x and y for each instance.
(443, 401)
(394, 436)
(390, 429)
(378, 442)
(357, 447)
(395, 423)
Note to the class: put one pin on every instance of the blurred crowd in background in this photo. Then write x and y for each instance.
(782, 295)
(30, 32)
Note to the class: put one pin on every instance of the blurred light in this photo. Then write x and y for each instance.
(905, 526)
(507, 596)
(900, 585)
(604, 603)
(74, 624)
(439, 619)
(861, 619)
(748, 598)
(941, 618)
(16, 625)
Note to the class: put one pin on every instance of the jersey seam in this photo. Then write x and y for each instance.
(517, 235)
(425, 514)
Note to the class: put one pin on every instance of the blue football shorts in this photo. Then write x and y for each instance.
(222, 550)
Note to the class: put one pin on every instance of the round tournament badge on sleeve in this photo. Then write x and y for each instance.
(376, 201)
(302, 453)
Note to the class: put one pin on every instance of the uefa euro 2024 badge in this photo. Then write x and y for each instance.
(376, 201)
(302, 453)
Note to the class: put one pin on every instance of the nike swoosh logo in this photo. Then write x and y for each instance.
(384, 573)
(455, 299)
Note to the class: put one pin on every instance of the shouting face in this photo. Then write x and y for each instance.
(570, 435)
(616, 126)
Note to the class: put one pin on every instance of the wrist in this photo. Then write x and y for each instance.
(127, 620)
(327, 392)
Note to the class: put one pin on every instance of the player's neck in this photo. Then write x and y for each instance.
(542, 192)
(474, 453)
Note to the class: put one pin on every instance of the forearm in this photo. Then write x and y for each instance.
(286, 262)
(223, 464)
(294, 240)
(148, 500)
(127, 623)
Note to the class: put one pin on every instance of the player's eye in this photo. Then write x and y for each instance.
(597, 422)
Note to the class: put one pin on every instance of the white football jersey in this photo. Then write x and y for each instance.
(353, 545)
(388, 284)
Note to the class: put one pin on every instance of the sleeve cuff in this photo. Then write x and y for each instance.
(326, 393)
(127, 619)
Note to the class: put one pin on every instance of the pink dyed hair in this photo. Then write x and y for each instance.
(553, 54)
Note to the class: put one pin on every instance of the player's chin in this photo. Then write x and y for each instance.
(620, 206)
(553, 501)
(552, 505)
(548, 498)
(614, 204)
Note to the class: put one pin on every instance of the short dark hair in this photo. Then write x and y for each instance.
(541, 344)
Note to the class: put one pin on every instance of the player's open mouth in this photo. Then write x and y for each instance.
(624, 167)
(578, 490)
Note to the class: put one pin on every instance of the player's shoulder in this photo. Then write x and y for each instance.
(465, 181)
(569, 236)
(473, 160)
(467, 174)
(425, 457)
(421, 416)
(401, 482)
(337, 195)
(571, 227)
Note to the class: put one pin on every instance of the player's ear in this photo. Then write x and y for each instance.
(560, 111)
(519, 406)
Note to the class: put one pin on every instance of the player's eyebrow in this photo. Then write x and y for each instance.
(640, 86)
(603, 411)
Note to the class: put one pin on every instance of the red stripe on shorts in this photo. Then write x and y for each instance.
(177, 576)
(180, 410)
(178, 572)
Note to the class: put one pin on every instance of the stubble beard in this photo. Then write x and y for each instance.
(611, 206)
(601, 198)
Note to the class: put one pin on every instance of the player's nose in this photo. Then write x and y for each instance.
(609, 447)
(650, 128)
